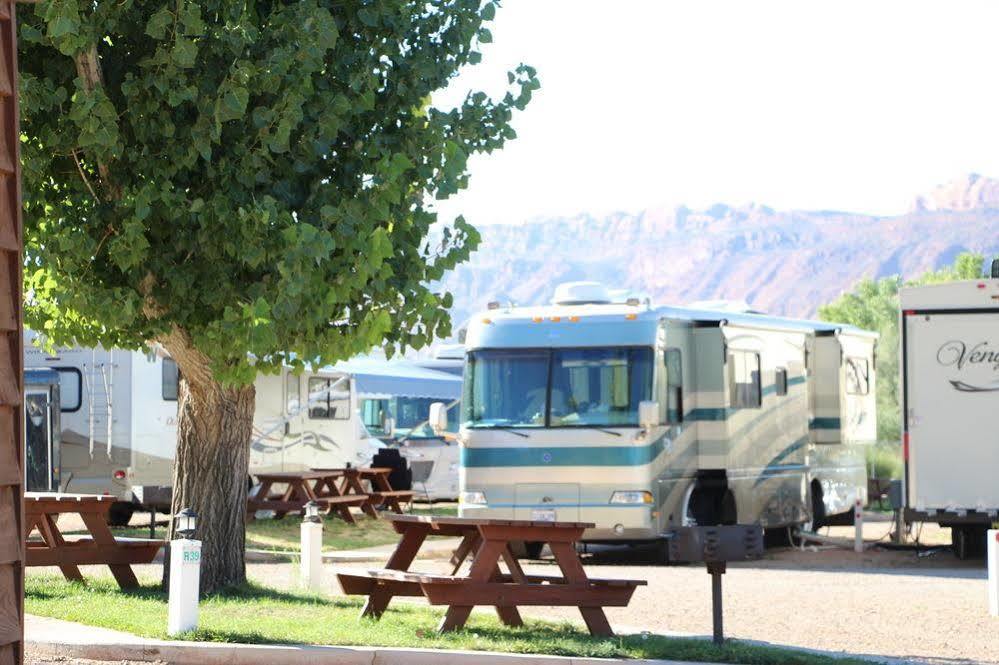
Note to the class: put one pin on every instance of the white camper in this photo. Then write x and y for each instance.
(950, 388)
(118, 420)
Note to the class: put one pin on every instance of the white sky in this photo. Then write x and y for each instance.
(850, 105)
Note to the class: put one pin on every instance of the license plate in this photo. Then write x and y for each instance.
(542, 515)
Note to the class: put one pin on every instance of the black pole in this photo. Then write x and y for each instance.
(152, 523)
(716, 570)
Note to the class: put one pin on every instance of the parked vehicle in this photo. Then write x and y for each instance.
(641, 418)
(42, 446)
(395, 401)
(118, 417)
(950, 386)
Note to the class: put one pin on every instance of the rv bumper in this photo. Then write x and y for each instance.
(153, 496)
(621, 522)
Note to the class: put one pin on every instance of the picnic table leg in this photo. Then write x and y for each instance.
(483, 568)
(355, 484)
(572, 569)
(401, 559)
(49, 531)
(97, 524)
(468, 544)
(289, 492)
(510, 616)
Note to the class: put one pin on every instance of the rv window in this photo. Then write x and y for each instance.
(858, 378)
(325, 401)
(373, 414)
(780, 381)
(674, 386)
(70, 388)
(171, 380)
(292, 392)
(745, 384)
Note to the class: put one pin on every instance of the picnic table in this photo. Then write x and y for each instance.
(300, 487)
(69, 552)
(380, 492)
(488, 542)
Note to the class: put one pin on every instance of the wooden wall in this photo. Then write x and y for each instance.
(11, 355)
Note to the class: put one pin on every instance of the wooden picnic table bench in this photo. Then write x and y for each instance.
(300, 488)
(488, 542)
(380, 493)
(69, 552)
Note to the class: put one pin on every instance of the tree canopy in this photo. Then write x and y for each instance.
(873, 305)
(259, 175)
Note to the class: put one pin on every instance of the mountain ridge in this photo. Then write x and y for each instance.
(785, 262)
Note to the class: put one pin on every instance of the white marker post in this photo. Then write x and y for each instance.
(858, 524)
(185, 576)
(312, 548)
(992, 537)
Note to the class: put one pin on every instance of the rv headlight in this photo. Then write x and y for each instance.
(473, 498)
(631, 497)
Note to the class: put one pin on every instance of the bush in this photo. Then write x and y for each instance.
(884, 460)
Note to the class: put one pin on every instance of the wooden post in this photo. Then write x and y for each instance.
(11, 355)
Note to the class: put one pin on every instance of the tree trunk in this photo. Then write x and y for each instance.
(214, 427)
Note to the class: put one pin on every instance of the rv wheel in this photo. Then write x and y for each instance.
(120, 513)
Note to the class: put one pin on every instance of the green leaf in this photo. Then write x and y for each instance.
(158, 23)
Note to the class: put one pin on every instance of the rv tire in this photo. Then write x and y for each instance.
(120, 513)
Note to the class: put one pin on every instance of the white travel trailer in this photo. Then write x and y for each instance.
(950, 389)
(119, 422)
(640, 419)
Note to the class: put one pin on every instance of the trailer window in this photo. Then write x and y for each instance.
(373, 415)
(170, 385)
(780, 381)
(744, 368)
(292, 393)
(674, 385)
(325, 401)
(858, 378)
(70, 389)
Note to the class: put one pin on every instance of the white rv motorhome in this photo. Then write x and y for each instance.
(119, 422)
(950, 388)
(639, 419)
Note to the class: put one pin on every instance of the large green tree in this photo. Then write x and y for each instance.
(248, 184)
(873, 305)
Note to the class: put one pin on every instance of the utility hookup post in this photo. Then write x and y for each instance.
(312, 548)
(716, 569)
(858, 523)
(185, 575)
(992, 538)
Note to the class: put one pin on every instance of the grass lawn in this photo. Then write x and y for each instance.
(284, 534)
(254, 614)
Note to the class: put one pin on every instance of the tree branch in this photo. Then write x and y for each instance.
(88, 68)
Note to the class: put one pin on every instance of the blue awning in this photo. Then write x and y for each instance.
(399, 378)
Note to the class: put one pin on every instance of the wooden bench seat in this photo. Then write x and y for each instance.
(83, 551)
(449, 590)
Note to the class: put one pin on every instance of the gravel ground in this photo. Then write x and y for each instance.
(893, 604)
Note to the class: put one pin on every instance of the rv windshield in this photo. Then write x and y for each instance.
(557, 388)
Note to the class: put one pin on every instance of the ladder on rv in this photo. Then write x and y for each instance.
(98, 381)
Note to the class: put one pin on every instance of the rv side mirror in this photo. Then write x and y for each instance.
(438, 418)
(648, 414)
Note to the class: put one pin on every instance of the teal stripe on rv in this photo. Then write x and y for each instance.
(775, 465)
(824, 423)
(564, 456)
